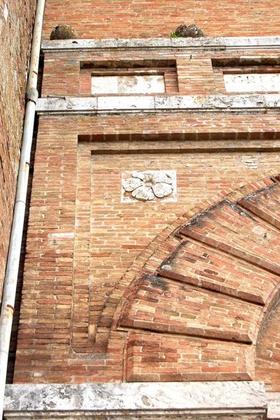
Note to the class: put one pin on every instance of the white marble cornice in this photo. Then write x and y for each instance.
(258, 42)
(157, 103)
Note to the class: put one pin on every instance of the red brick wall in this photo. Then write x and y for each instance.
(16, 19)
(157, 18)
(196, 71)
(82, 239)
(89, 313)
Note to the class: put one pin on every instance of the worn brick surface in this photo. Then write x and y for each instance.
(152, 357)
(157, 18)
(194, 311)
(16, 20)
(268, 351)
(153, 291)
(82, 241)
(191, 73)
(217, 271)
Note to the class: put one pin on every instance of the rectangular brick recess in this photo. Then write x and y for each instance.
(165, 68)
(186, 73)
(78, 225)
(156, 358)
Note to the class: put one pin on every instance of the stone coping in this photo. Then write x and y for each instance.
(185, 43)
(204, 397)
(158, 103)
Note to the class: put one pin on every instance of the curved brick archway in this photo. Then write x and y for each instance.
(204, 305)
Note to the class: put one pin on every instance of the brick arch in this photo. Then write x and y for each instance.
(195, 306)
(268, 345)
(158, 249)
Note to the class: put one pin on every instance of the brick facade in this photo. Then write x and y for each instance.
(157, 18)
(185, 288)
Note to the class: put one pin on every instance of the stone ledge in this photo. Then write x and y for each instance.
(185, 43)
(143, 415)
(273, 405)
(158, 103)
(150, 399)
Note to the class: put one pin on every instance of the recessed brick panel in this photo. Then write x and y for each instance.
(153, 358)
(82, 240)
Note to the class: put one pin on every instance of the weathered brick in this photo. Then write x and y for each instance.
(152, 291)
(155, 18)
(15, 34)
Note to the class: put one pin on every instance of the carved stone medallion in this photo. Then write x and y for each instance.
(149, 186)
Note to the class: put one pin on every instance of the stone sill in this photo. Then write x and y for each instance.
(146, 400)
(267, 42)
(158, 103)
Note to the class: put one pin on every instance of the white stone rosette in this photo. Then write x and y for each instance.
(149, 185)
